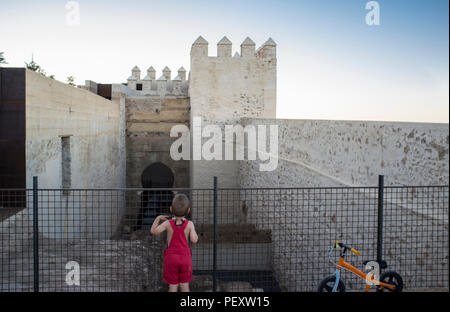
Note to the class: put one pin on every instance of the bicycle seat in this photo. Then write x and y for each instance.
(382, 263)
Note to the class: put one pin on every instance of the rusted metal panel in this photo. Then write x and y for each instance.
(12, 130)
(104, 90)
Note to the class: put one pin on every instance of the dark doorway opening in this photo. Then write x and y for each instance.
(155, 202)
(157, 175)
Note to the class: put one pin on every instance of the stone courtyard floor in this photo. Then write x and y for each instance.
(105, 266)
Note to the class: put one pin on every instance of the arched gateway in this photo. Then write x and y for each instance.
(159, 178)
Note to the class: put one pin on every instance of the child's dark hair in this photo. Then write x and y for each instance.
(180, 205)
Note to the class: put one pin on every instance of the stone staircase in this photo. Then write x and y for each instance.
(239, 247)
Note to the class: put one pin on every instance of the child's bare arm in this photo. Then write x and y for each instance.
(159, 228)
(192, 233)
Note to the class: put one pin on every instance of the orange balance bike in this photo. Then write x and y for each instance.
(389, 280)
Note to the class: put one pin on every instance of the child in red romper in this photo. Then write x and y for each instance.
(177, 255)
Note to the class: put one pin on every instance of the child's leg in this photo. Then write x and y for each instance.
(173, 287)
(184, 287)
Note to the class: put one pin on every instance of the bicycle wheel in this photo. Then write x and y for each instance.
(327, 284)
(393, 278)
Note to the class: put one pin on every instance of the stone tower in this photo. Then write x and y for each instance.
(224, 89)
(220, 90)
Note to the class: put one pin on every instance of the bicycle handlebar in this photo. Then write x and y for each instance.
(338, 245)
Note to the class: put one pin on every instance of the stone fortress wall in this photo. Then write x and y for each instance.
(149, 120)
(223, 89)
(152, 107)
(353, 153)
(162, 86)
(241, 90)
(113, 141)
(325, 153)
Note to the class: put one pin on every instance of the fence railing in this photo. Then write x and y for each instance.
(252, 239)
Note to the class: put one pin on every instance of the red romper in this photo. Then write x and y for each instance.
(178, 256)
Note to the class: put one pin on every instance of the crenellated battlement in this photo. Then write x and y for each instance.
(221, 90)
(162, 86)
(226, 86)
(178, 86)
(199, 48)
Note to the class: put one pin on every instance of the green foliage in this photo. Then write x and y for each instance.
(35, 67)
(71, 80)
(2, 58)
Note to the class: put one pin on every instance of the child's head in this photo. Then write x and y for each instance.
(180, 205)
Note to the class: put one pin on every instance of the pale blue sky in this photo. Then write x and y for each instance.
(331, 64)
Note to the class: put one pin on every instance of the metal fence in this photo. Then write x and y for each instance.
(271, 239)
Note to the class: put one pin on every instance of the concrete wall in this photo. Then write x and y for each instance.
(96, 133)
(55, 109)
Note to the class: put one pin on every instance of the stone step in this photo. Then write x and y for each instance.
(233, 233)
(239, 256)
(239, 247)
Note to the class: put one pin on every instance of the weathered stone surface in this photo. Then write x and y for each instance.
(224, 89)
(105, 265)
(232, 233)
(353, 153)
(112, 142)
(204, 283)
(149, 120)
(307, 221)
